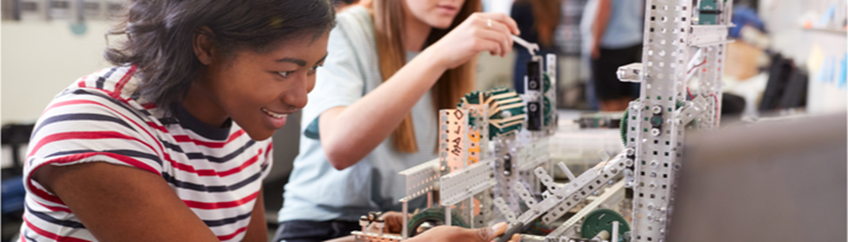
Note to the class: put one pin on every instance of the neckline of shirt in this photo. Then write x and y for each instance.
(188, 121)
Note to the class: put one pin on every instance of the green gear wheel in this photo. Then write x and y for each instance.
(624, 121)
(507, 103)
(474, 97)
(435, 216)
(600, 220)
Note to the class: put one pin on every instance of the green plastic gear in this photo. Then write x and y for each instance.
(503, 97)
(471, 98)
(436, 216)
(510, 105)
(600, 220)
(546, 83)
(624, 121)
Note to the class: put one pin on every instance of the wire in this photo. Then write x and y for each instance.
(696, 66)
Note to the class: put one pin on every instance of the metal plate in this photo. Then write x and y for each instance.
(464, 184)
(421, 179)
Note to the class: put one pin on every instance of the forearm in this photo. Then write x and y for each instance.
(350, 134)
(601, 22)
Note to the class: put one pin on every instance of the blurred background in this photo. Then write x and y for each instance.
(789, 59)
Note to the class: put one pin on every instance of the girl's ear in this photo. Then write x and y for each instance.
(202, 44)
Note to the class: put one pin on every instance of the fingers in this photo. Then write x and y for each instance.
(493, 41)
(394, 221)
(495, 30)
(506, 38)
(515, 238)
(488, 234)
(503, 19)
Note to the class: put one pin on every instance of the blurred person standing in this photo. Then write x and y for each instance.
(537, 20)
(617, 37)
(574, 74)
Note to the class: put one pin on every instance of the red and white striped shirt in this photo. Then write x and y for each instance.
(217, 172)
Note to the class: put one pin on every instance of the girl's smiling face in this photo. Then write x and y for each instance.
(255, 90)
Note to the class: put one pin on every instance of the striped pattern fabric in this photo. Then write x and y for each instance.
(217, 172)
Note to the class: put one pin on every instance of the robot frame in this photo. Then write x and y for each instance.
(493, 150)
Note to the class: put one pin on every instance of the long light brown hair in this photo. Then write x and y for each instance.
(389, 22)
(546, 14)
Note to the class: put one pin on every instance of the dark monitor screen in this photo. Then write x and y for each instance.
(773, 181)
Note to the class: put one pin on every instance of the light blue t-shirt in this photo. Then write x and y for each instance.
(318, 192)
(624, 28)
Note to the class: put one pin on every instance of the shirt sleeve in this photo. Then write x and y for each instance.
(339, 82)
(85, 127)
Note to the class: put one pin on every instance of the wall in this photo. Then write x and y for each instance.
(40, 59)
(783, 22)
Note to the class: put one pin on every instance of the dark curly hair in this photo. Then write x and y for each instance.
(159, 36)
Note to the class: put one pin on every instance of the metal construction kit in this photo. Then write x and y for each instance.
(494, 162)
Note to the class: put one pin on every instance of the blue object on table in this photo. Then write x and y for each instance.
(743, 15)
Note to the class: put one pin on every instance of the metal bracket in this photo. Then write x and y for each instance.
(691, 111)
(630, 73)
(421, 179)
(708, 35)
(505, 210)
(463, 184)
(557, 233)
(585, 184)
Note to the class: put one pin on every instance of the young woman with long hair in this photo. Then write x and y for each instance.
(391, 66)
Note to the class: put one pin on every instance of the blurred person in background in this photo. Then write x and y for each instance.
(574, 75)
(537, 20)
(617, 41)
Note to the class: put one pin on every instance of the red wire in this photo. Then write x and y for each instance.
(696, 66)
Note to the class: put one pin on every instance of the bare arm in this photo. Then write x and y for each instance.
(600, 26)
(119, 203)
(257, 230)
(349, 133)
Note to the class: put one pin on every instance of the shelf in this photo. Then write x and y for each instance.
(837, 31)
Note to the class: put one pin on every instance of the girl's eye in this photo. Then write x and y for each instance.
(313, 70)
(285, 73)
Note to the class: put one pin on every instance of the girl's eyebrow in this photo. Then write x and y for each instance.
(293, 60)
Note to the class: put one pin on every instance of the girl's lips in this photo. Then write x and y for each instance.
(447, 9)
(273, 114)
(278, 120)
